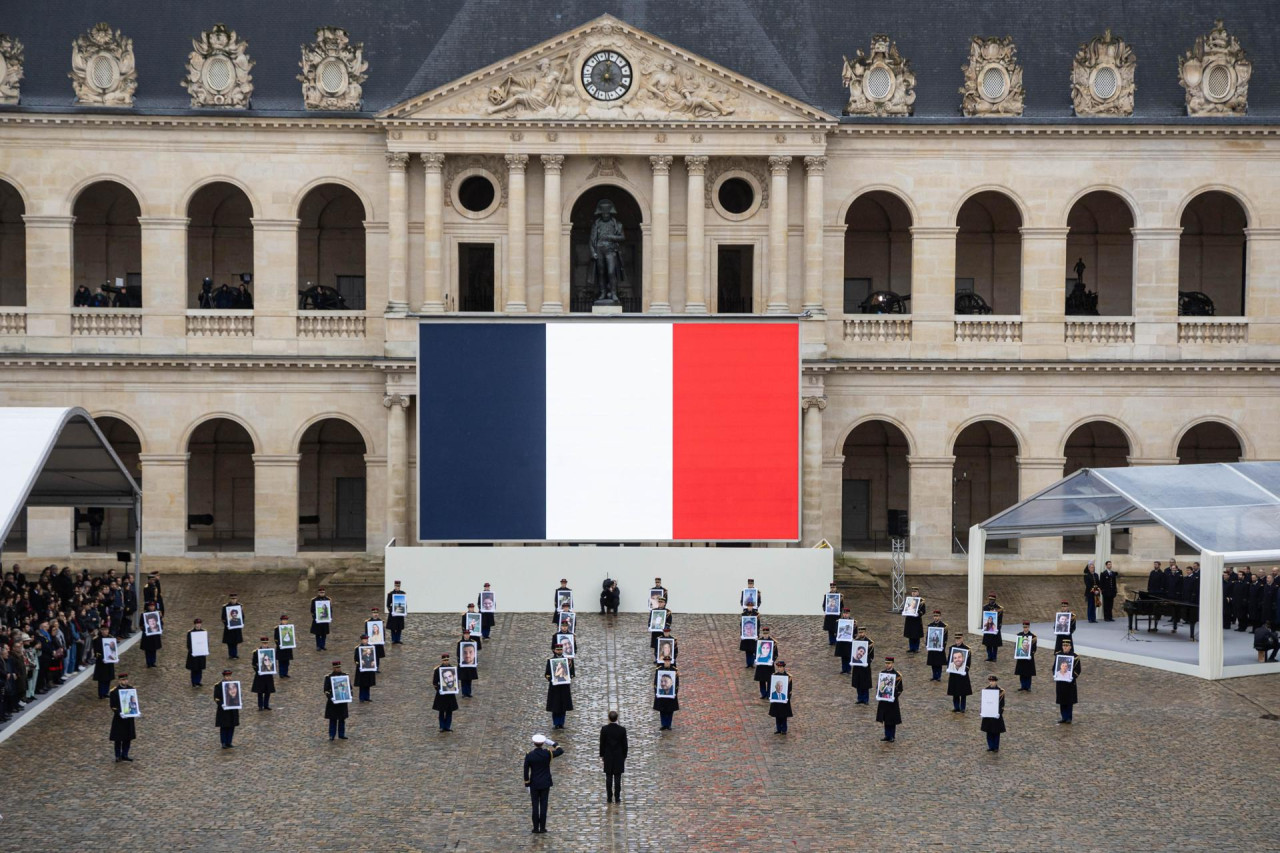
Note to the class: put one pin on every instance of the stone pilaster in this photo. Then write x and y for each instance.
(433, 233)
(660, 302)
(397, 232)
(275, 504)
(515, 302)
(552, 164)
(397, 464)
(779, 168)
(695, 237)
(164, 283)
(811, 470)
(815, 169)
(930, 506)
(164, 503)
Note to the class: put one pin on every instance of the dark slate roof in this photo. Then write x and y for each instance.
(794, 46)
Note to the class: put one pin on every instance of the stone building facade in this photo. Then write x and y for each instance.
(281, 433)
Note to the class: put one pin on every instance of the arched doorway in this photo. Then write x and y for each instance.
(1212, 253)
(582, 217)
(877, 249)
(331, 246)
(1097, 444)
(13, 247)
(989, 252)
(331, 488)
(1100, 256)
(1206, 442)
(219, 244)
(107, 247)
(109, 529)
(984, 480)
(874, 487)
(220, 511)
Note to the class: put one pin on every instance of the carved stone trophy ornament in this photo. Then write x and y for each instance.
(102, 68)
(880, 83)
(1102, 77)
(218, 70)
(992, 78)
(1216, 75)
(10, 69)
(606, 242)
(333, 70)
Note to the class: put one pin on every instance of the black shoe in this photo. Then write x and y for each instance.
(342, 737)
(126, 758)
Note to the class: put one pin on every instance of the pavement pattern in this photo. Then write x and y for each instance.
(1154, 761)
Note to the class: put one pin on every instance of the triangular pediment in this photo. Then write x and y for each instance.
(606, 70)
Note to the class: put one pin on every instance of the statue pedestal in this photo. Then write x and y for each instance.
(606, 309)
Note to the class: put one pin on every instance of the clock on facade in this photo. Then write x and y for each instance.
(606, 75)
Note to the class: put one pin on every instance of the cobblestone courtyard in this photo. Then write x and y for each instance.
(1154, 761)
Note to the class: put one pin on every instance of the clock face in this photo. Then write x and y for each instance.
(606, 75)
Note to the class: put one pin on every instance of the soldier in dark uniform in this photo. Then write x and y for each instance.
(1257, 598)
(263, 685)
(445, 703)
(1173, 591)
(195, 663)
(283, 656)
(994, 726)
(1066, 690)
(861, 678)
(1090, 582)
(1155, 583)
(151, 592)
(232, 637)
(765, 671)
(559, 696)
(537, 778)
(487, 617)
(103, 673)
(748, 645)
(1108, 581)
(613, 752)
(890, 712)
(335, 712)
(959, 688)
(913, 626)
(1191, 595)
(675, 644)
(1240, 600)
(1026, 669)
(226, 719)
(320, 629)
(657, 584)
(468, 671)
(151, 643)
(653, 635)
(829, 619)
(395, 624)
(781, 711)
(1059, 639)
(367, 679)
(562, 593)
(666, 706)
(993, 642)
(844, 647)
(937, 658)
(123, 730)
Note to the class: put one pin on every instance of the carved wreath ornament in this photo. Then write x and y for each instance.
(1102, 77)
(218, 70)
(333, 70)
(10, 69)
(880, 83)
(102, 68)
(992, 79)
(1216, 75)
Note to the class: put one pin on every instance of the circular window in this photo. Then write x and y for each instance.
(102, 72)
(475, 193)
(1105, 83)
(332, 76)
(879, 83)
(1217, 83)
(993, 84)
(736, 195)
(219, 74)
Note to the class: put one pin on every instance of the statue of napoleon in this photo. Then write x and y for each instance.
(606, 254)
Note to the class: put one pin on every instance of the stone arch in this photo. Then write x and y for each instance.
(875, 485)
(365, 435)
(19, 189)
(365, 201)
(1100, 236)
(73, 195)
(1124, 195)
(332, 485)
(843, 436)
(1000, 419)
(1249, 208)
(633, 216)
(889, 189)
(988, 250)
(985, 478)
(333, 241)
(219, 244)
(129, 421)
(230, 416)
(1213, 250)
(877, 247)
(184, 204)
(107, 246)
(1135, 448)
(13, 243)
(108, 529)
(577, 191)
(1024, 212)
(1246, 449)
(221, 485)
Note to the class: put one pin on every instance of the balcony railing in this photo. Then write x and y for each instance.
(877, 328)
(1099, 331)
(13, 321)
(1212, 330)
(220, 324)
(330, 324)
(121, 322)
(988, 329)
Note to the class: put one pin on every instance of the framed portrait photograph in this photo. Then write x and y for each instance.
(750, 597)
(399, 604)
(934, 638)
(266, 661)
(368, 659)
(231, 697)
(568, 622)
(958, 661)
(831, 604)
(780, 688)
(563, 597)
(288, 637)
(488, 603)
(567, 645)
(886, 683)
(110, 652)
(340, 687)
(1022, 648)
(750, 627)
(655, 595)
(666, 687)
(560, 671)
(376, 631)
(471, 621)
(235, 616)
(990, 622)
(323, 612)
(657, 621)
(911, 606)
(467, 655)
(844, 630)
(449, 680)
(1062, 623)
(151, 626)
(199, 644)
(1064, 667)
(666, 648)
(764, 653)
(860, 653)
(129, 703)
(990, 702)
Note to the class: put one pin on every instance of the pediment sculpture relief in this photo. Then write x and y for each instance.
(218, 70)
(1216, 75)
(102, 68)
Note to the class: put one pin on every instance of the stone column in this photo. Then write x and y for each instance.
(660, 302)
(551, 167)
(164, 283)
(50, 275)
(397, 232)
(375, 474)
(779, 167)
(433, 233)
(695, 237)
(811, 471)
(164, 503)
(397, 406)
(1044, 297)
(1155, 286)
(515, 301)
(833, 501)
(815, 169)
(1034, 475)
(1262, 285)
(933, 285)
(276, 285)
(930, 506)
(275, 504)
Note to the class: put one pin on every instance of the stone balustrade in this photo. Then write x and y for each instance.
(118, 322)
(13, 321)
(220, 324)
(988, 329)
(1099, 331)
(330, 324)
(877, 329)
(1211, 330)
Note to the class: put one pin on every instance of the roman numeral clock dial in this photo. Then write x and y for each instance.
(606, 75)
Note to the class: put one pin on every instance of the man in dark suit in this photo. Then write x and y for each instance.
(537, 778)
(613, 752)
(1109, 582)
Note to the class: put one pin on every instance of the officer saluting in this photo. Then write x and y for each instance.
(537, 778)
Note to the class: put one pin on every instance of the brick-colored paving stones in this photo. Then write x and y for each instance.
(1154, 761)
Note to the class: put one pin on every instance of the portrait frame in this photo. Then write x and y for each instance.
(110, 650)
(488, 602)
(568, 622)
(655, 595)
(863, 646)
(670, 691)
(831, 603)
(377, 631)
(288, 636)
(200, 644)
(990, 703)
(322, 611)
(368, 658)
(399, 604)
(340, 687)
(563, 595)
(952, 668)
(152, 623)
(764, 652)
(267, 661)
(911, 605)
(129, 703)
(990, 622)
(230, 696)
(560, 674)
(657, 620)
(471, 622)
(568, 645)
(1022, 648)
(750, 597)
(450, 684)
(845, 629)
(935, 638)
(669, 645)
(886, 684)
(776, 695)
(754, 632)
(463, 648)
(1058, 674)
(1062, 623)
(235, 616)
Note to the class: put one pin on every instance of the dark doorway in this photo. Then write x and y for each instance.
(475, 276)
(856, 525)
(349, 502)
(581, 294)
(734, 284)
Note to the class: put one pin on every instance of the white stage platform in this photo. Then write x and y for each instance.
(1162, 650)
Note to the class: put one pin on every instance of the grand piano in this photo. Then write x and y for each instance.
(1144, 605)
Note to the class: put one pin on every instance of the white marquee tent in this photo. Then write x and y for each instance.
(1230, 512)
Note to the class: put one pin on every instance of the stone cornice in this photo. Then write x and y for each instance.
(12, 361)
(1054, 130)
(237, 121)
(1047, 367)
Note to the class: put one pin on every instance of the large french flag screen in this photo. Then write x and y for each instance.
(608, 430)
